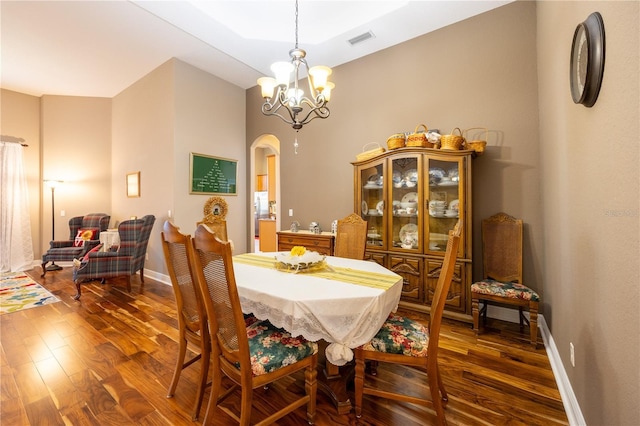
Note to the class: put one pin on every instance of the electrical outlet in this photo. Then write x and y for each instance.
(169, 213)
(573, 354)
(290, 212)
(63, 213)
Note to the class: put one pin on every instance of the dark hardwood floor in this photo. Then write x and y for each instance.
(108, 359)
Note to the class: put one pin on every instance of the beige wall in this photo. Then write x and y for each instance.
(76, 148)
(210, 120)
(589, 166)
(157, 122)
(20, 118)
(480, 72)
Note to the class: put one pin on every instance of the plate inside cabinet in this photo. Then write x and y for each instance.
(410, 197)
(411, 175)
(454, 205)
(365, 208)
(409, 234)
(380, 207)
(437, 172)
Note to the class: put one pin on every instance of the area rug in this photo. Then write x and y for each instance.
(19, 291)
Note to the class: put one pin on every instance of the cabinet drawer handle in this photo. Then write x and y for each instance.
(315, 243)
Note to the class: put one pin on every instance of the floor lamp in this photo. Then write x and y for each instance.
(52, 184)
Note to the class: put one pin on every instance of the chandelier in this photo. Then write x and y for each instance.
(290, 102)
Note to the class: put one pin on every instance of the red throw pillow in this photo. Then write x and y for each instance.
(84, 235)
(96, 248)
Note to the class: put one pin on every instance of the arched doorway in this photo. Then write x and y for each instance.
(264, 145)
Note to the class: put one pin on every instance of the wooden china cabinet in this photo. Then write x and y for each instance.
(411, 197)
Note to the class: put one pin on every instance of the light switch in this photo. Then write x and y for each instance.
(63, 213)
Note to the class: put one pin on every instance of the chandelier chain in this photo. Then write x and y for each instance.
(296, 24)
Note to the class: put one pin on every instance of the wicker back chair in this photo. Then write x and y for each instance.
(236, 343)
(502, 269)
(351, 237)
(192, 318)
(419, 347)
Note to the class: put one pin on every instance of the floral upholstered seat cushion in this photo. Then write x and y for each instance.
(508, 289)
(271, 348)
(400, 335)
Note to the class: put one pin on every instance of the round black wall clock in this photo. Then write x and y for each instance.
(587, 60)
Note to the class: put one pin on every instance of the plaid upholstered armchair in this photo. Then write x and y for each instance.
(84, 234)
(126, 261)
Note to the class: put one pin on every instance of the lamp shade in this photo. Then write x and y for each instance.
(326, 92)
(282, 71)
(319, 75)
(295, 96)
(52, 183)
(267, 84)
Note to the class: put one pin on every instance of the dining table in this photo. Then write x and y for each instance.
(339, 302)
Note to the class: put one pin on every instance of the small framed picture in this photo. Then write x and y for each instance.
(133, 185)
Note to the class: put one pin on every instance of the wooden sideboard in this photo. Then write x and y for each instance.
(322, 243)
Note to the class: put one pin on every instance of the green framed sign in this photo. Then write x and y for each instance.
(212, 175)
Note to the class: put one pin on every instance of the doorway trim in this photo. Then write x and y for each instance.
(272, 143)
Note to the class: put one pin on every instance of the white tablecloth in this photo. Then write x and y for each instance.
(346, 315)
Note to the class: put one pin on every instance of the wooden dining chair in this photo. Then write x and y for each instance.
(502, 268)
(251, 355)
(192, 318)
(219, 228)
(404, 341)
(351, 237)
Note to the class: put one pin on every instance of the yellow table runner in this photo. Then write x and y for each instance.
(347, 275)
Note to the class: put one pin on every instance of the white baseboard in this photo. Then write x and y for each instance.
(164, 279)
(571, 406)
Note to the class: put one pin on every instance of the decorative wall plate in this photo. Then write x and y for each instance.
(215, 209)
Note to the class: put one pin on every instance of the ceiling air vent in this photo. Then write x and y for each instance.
(361, 38)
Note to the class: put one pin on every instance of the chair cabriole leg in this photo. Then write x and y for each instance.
(77, 296)
(476, 314)
(359, 383)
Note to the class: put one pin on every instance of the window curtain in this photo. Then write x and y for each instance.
(16, 247)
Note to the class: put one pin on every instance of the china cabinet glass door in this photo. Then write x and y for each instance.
(405, 186)
(444, 200)
(372, 187)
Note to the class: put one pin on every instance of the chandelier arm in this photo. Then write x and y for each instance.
(320, 111)
(269, 108)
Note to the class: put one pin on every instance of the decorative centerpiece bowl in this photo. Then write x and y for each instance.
(299, 259)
